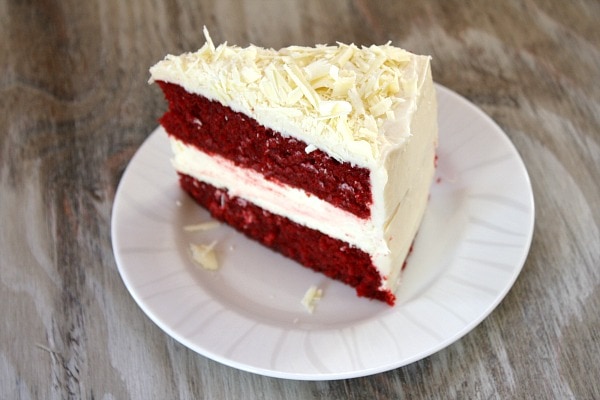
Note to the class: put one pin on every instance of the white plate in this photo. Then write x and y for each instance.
(469, 251)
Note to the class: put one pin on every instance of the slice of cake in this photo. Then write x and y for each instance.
(323, 154)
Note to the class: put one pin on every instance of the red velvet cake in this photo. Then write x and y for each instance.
(323, 154)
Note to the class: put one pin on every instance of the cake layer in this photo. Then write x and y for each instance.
(311, 248)
(216, 129)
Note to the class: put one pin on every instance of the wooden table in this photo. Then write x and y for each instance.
(75, 106)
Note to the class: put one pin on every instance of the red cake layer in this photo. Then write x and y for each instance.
(311, 248)
(216, 129)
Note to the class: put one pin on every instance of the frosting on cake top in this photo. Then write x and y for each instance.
(339, 97)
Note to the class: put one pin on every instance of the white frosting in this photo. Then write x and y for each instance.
(374, 107)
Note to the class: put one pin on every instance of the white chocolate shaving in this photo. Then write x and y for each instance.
(203, 226)
(311, 297)
(205, 255)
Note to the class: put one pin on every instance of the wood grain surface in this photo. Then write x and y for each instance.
(75, 106)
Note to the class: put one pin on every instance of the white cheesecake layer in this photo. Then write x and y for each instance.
(277, 198)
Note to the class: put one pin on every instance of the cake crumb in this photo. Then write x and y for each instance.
(311, 297)
(203, 226)
(205, 256)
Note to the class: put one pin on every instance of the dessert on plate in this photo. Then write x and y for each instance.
(324, 154)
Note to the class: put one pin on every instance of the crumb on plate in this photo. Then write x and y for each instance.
(203, 226)
(311, 297)
(205, 255)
